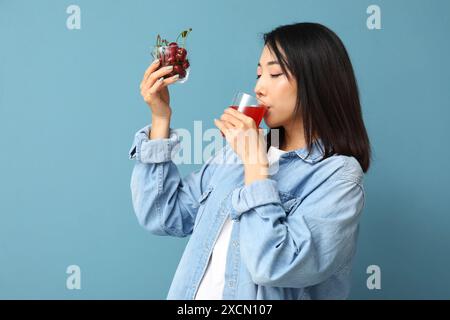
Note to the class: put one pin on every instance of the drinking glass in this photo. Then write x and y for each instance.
(248, 105)
(173, 56)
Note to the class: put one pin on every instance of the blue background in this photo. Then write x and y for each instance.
(70, 105)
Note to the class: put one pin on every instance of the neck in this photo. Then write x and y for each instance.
(294, 137)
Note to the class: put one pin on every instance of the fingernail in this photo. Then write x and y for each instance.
(155, 61)
(176, 76)
(169, 67)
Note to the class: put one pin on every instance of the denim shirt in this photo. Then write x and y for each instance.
(294, 235)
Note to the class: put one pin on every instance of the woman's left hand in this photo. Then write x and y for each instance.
(246, 140)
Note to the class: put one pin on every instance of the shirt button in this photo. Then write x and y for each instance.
(235, 243)
(230, 284)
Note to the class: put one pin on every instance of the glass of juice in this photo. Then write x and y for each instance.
(248, 105)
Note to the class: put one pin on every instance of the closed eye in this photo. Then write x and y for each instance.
(272, 75)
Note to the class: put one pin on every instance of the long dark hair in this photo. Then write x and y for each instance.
(327, 95)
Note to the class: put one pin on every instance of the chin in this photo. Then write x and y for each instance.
(270, 123)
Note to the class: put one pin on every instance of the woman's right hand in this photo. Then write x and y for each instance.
(155, 92)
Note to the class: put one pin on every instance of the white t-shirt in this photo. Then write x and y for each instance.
(213, 281)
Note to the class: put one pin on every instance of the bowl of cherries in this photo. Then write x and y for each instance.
(173, 54)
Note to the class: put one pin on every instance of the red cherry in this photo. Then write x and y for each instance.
(171, 60)
(173, 44)
(182, 73)
(172, 51)
(177, 68)
(171, 74)
(181, 54)
(180, 58)
(186, 64)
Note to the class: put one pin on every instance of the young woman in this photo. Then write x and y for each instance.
(255, 235)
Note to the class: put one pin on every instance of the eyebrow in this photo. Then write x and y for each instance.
(269, 63)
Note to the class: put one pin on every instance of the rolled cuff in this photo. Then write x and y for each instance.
(256, 194)
(146, 150)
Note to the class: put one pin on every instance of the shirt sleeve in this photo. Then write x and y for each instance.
(163, 201)
(304, 245)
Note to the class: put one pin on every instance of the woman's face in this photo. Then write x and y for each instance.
(275, 90)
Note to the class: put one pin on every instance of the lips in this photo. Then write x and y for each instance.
(263, 103)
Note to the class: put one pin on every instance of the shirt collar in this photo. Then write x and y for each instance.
(317, 152)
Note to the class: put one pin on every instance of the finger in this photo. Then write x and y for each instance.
(222, 125)
(232, 119)
(239, 115)
(219, 125)
(228, 125)
(161, 83)
(152, 68)
(157, 75)
(261, 132)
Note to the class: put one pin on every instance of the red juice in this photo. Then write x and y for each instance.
(254, 112)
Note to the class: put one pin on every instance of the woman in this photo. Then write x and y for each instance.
(256, 235)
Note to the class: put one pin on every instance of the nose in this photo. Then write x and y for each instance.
(259, 89)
